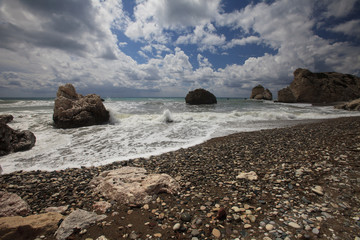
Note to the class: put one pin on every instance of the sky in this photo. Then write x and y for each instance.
(165, 48)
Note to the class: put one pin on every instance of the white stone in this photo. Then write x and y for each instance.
(247, 175)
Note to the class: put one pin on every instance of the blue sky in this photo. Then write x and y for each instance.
(164, 48)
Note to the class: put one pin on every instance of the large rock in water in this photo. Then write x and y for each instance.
(327, 87)
(74, 110)
(131, 185)
(259, 92)
(200, 96)
(14, 140)
(353, 105)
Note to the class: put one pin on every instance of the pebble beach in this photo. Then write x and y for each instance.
(305, 185)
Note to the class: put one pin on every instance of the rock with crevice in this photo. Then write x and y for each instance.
(324, 87)
(73, 110)
(132, 185)
(23, 228)
(351, 106)
(260, 93)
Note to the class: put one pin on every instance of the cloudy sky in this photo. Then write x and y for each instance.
(138, 48)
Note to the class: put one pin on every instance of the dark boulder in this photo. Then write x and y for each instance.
(327, 87)
(74, 110)
(14, 140)
(200, 96)
(259, 92)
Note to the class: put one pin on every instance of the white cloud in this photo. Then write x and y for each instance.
(336, 8)
(351, 28)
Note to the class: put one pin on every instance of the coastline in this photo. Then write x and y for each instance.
(326, 153)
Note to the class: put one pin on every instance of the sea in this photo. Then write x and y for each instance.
(142, 127)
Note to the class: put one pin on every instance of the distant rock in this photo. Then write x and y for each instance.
(24, 228)
(259, 92)
(327, 87)
(131, 185)
(14, 140)
(351, 106)
(200, 96)
(73, 110)
(12, 205)
(79, 219)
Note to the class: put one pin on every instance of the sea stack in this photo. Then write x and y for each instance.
(259, 92)
(73, 110)
(200, 96)
(326, 87)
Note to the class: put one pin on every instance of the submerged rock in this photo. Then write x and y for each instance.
(73, 110)
(259, 92)
(131, 185)
(327, 87)
(14, 140)
(351, 106)
(200, 96)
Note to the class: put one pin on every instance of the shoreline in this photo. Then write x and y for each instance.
(326, 152)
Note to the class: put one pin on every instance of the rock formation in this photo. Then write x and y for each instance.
(200, 96)
(259, 92)
(14, 140)
(74, 110)
(12, 205)
(353, 105)
(24, 228)
(131, 185)
(79, 219)
(328, 87)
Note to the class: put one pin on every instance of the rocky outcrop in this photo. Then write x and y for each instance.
(14, 140)
(131, 185)
(74, 110)
(259, 92)
(351, 106)
(24, 228)
(12, 205)
(200, 96)
(327, 87)
(79, 219)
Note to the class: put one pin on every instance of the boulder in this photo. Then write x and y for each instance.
(131, 185)
(14, 140)
(23, 228)
(327, 87)
(259, 92)
(79, 219)
(200, 96)
(351, 106)
(73, 110)
(12, 205)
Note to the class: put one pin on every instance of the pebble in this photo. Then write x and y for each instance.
(195, 232)
(176, 226)
(102, 237)
(216, 233)
(269, 227)
(318, 190)
(158, 235)
(246, 226)
(186, 217)
(315, 231)
(294, 225)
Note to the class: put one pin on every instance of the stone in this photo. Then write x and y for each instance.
(221, 215)
(176, 227)
(269, 227)
(101, 206)
(186, 217)
(247, 175)
(102, 237)
(195, 232)
(158, 235)
(131, 185)
(294, 225)
(353, 105)
(200, 96)
(216, 233)
(247, 226)
(61, 209)
(318, 190)
(79, 219)
(73, 110)
(12, 205)
(259, 93)
(326, 87)
(14, 140)
(17, 227)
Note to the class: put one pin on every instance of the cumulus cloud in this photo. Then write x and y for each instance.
(350, 28)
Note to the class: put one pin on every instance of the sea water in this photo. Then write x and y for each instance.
(141, 127)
